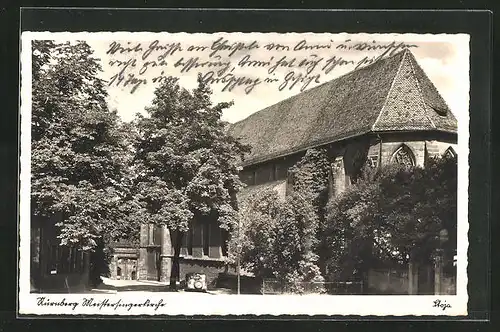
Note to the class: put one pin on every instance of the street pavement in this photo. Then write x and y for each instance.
(110, 286)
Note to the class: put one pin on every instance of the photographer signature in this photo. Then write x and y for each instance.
(441, 304)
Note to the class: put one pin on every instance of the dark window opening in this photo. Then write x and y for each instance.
(272, 176)
(206, 237)
(247, 177)
(441, 111)
(281, 172)
(119, 271)
(450, 153)
(225, 238)
(189, 240)
(157, 235)
(150, 234)
(63, 259)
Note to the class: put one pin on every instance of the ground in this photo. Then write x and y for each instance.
(111, 286)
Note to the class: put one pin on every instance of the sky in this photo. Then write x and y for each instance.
(444, 57)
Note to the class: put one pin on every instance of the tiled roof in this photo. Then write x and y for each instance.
(392, 94)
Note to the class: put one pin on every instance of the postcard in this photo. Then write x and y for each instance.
(284, 173)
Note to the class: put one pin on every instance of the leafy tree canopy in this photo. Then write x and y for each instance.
(80, 150)
(392, 215)
(277, 238)
(186, 164)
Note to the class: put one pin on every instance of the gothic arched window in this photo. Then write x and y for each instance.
(403, 156)
(450, 153)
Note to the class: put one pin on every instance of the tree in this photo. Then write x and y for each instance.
(310, 178)
(277, 238)
(186, 163)
(296, 242)
(392, 216)
(253, 240)
(80, 153)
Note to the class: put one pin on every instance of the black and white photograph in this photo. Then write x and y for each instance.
(284, 173)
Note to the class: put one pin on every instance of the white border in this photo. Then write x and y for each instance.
(184, 304)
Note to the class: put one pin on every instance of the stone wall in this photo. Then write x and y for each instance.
(348, 156)
(142, 268)
(387, 281)
(199, 261)
(166, 252)
(438, 148)
(276, 169)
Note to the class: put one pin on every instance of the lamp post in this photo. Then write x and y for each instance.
(239, 255)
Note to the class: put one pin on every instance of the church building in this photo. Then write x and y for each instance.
(386, 112)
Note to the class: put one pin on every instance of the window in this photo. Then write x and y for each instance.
(281, 172)
(197, 238)
(150, 234)
(290, 178)
(450, 153)
(272, 176)
(189, 239)
(154, 235)
(119, 271)
(206, 238)
(440, 110)
(358, 160)
(247, 177)
(225, 239)
(403, 156)
(63, 259)
(157, 235)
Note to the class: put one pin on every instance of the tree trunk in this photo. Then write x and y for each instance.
(175, 274)
(99, 264)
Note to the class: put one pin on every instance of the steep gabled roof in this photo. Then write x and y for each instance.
(392, 94)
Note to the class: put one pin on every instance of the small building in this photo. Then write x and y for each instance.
(202, 250)
(123, 264)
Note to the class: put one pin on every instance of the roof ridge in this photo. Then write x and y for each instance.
(390, 90)
(424, 76)
(329, 81)
(421, 94)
